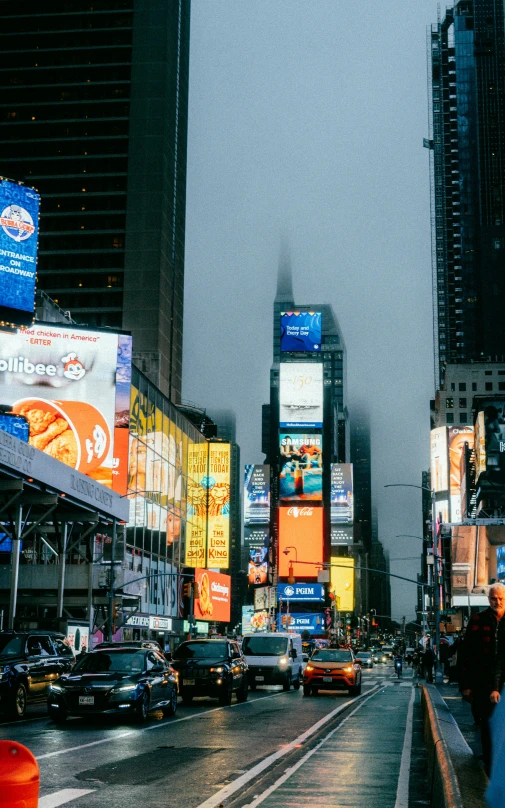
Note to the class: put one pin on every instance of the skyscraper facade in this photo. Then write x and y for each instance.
(94, 115)
(466, 52)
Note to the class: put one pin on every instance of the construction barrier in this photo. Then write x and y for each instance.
(19, 776)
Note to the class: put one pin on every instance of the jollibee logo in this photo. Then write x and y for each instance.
(73, 367)
(296, 512)
(17, 223)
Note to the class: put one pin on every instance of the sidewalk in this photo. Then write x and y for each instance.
(375, 758)
(462, 714)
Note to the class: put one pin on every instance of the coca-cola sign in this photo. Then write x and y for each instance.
(296, 512)
(301, 536)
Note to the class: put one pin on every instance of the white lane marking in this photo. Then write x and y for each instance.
(23, 721)
(402, 791)
(63, 796)
(249, 775)
(406, 684)
(170, 723)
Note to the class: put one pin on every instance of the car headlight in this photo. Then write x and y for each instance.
(309, 667)
(283, 661)
(348, 670)
(123, 688)
(56, 688)
(220, 669)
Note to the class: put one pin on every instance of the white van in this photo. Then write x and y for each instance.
(274, 658)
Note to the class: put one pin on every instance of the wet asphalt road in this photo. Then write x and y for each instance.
(177, 761)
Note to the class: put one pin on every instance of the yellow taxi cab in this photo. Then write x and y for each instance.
(332, 669)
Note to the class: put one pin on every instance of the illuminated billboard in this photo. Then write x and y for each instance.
(300, 531)
(213, 596)
(480, 445)
(500, 563)
(341, 494)
(342, 582)
(491, 425)
(341, 534)
(301, 395)
(439, 459)
(19, 232)
(63, 381)
(301, 466)
(301, 331)
(218, 518)
(257, 570)
(256, 536)
(459, 437)
(256, 495)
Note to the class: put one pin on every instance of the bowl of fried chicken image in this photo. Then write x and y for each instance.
(74, 432)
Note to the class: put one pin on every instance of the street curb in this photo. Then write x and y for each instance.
(456, 780)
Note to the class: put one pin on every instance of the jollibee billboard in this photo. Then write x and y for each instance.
(301, 395)
(213, 596)
(301, 530)
(72, 385)
(19, 228)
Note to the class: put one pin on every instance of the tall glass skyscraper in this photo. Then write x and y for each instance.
(93, 113)
(466, 52)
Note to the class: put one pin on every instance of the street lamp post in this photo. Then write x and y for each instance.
(436, 588)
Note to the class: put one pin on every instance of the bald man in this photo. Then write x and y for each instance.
(479, 661)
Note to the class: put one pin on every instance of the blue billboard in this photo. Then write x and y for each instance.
(298, 622)
(19, 231)
(500, 563)
(301, 331)
(301, 592)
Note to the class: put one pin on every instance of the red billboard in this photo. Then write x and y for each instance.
(214, 596)
(300, 531)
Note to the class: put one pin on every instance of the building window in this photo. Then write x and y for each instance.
(449, 418)
(463, 417)
(453, 387)
(488, 373)
(474, 387)
(462, 387)
(489, 386)
(462, 402)
(501, 385)
(449, 403)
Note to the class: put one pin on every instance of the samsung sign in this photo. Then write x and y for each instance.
(301, 592)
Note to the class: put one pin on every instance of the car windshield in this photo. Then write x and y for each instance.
(201, 650)
(264, 646)
(112, 662)
(10, 646)
(362, 655)
(331, 655)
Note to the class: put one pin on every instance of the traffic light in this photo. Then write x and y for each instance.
(115, 613)
(196, 590)
(186, 589)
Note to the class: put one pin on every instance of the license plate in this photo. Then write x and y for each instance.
(87, 700)
(327, 679)
(259, 678)
(187, 682)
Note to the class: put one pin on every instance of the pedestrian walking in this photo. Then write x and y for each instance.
(428, 662)
(479, 663)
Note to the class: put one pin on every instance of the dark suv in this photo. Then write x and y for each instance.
(29, 662)
(214, 668)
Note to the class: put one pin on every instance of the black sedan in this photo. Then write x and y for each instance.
(129, 681)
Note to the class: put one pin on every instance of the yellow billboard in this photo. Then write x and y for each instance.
(197, 505)
(480, 446)
(439, 459)
(218, 519)
(342, 582)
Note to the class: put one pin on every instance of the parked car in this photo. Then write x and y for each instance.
(29, 662)
(365, 659)
(332, 669)
(215, 668)
(127, 681)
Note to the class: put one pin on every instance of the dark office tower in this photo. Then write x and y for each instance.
(466, 52)
(93, 113)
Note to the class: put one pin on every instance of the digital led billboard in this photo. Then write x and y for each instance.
(300, 531)
(256, 495)
(256, 536)
(301, 621)
(439, 459)
(500, 563)
(301, 331)
(341, 534)
(301, 466)
(459, 436)
(257, 571)
(301, 395)
(480, 445)
(19, 230)
(341, 494)
(491, 422)
(213, 597)
(342, 582)
(218, 485)
(63, 380)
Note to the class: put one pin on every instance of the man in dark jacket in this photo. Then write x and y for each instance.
(478, 662)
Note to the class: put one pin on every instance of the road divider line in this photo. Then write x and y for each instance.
(402, 791)
(220, 796)
(166, 724)
(63, 796)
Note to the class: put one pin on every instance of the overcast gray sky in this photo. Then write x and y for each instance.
(306, 123)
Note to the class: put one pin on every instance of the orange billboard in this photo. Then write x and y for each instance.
(212, 596)
(300, 531)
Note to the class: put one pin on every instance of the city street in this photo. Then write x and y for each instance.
(208, 754)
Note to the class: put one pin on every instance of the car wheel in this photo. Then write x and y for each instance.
(59, 716)
(243, 691)
(226, 694)
(17, 707)
(143, 707)
(171, 708)
(286, 685)
(355, 691)
(252, 687)
(307, 690)
(187, 698)
(315, 691)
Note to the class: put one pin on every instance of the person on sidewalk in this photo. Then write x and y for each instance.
(479, 663)
(428, 662)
